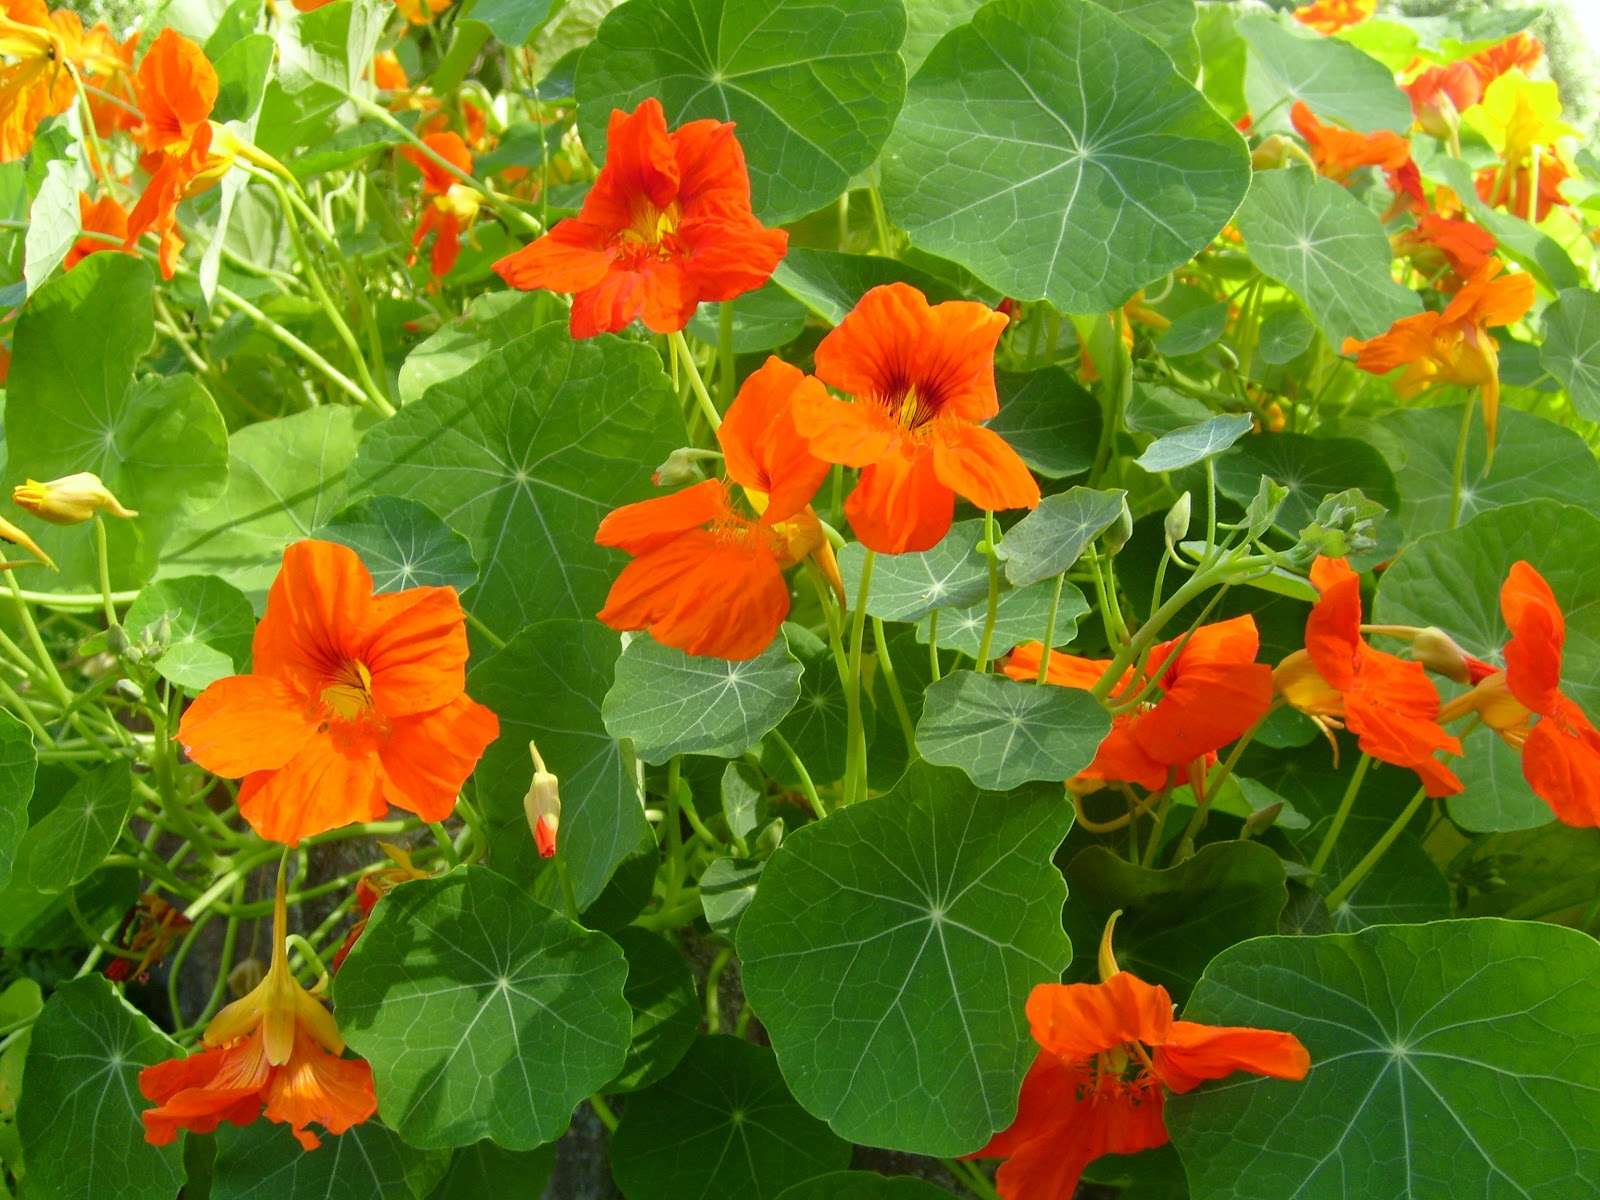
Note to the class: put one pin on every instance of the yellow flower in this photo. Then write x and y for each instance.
(1516, 114)
(69, 500)
(10, 533)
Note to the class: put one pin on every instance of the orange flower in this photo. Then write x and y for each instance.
(1339, 153)
(449, 206)
(105, 216)
(1507, 187)
(421, 12)
(923, 378)
(1108, 1055)
(355, 702)
(387, 73)
(1330, 16)
(705, 577)
(1341, 682)
(1519, 52)
(107, 67)
(1210, 690)
(1457, 248)
(1561, 748)
(277, 1049)
(1439, 94)
(666, 225)
(371, 888)
(38, 84)
(473, 119)
(1453, 346)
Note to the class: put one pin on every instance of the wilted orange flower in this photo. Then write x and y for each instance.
(1525, 705)
(1338, 153)
(449, 206)
(1341, 682)
(1453, 346)
(148, 930)
(666, 225)
(923, 378)
(705, 577)
(37, 83)
(421, 12)
(1209, 690)
(1108, 1055)
(104, 216)
(355, 702)
(1330, 16)
(371, 888)
(1440, 94)
(1452, 249)
(276, 1050)
(1519, 52)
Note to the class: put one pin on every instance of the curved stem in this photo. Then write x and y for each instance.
(1360, 871)
(1346, 803)
(696, 384)
(993, 612)
(855, 778)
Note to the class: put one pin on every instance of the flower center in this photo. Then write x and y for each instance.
(349, 695)
(910, 406)
(653, 232)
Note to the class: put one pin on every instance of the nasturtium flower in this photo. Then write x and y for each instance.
(1451, 250)
(103, 216)
(388, 75)
(1330, 16)
(371, 888)
(70, 500)
(448, 205)
(1342, 682)
(276, 1052)
(542, 806)
(922, 379)
(421, 12)
(1108, 1055)
(1453, 346)
(14, 536)
(1208, 690)
(1439, 95)
(1519, 52)
(1509, 188)
(354, 702)
(1516, 115)
(1338, 152)
(706, 577)
(666, 225)
(107, 69)
(37, 48)
(1525, 705)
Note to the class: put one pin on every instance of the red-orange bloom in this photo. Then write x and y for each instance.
(1525, 705)
(1440, 93)
(666, 225)
(449, 206)
(388, 75)
(1507, 187)
(1519, 52)
(1453, 250)
(1341, 682)
(104, 216)
(355, 702)
(705, 577)
(1338, 153)
(1209, 690)
(1108, 1055)
(38, 83)
(923, 378)
(1453, 346)
(1330, 16)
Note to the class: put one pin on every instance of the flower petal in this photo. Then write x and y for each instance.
(761, 446)
(416, 651)
(428, 756)
(900, 504)
(246, 723)
(852, 435)
(331, 783)
(317, 611)
(643, 526)
(314, 1085)
(1077, 1020)
(1193, 1053)
(1561, 762)
(572, 257)
(982, 467)
(1538, 638)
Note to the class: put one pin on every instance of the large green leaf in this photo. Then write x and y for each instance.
(813, 85)
(1571, 351)
(17, 766)
(483, 1013)
(906, 587)
(889, 951)
(72, 839)
(404, 544)
(722, 1124)
(490, 320)
(263, 1162)
(1326, 247)
(524, 452)
(1336, 81)
(764, 319)
(1054, 536)
(1091, 166)
(484, 1170)
(1452, 1059)
(512, 21)
(1051, 421)
(72, 405)
(864, 1185)
(1003, 733)
(666, 1008)
(602, 817)
(79, 1112)
(929, 20)
(1167, 23)
(197, 627)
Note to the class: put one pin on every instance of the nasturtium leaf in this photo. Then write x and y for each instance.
(1194, 443)
(53, 223)
(1053, 536)
(764, 319)
(817, 727)
(602, 816)
(1003, 733)
(524, 452)
(485, 1170)
(929, 20)
(828, 282)
(1176, 920)
(1048, 419)
(1336, 81)
(285, 479)
(1310, 468)
(1453, 1058)
(726, 889)
(668, 702)
(1571, 351)
(491, 320)
(1405, 887)
(722, 1124)
(906, 587)
(1093, 167)
(78, 1115)
(1154, 408)
(72, 839)
(17, 766)
(1284, 336)
(511, 21)
(742, 795)
(262, 1161)
(813, 88)
(72, 404)
(198, 627)
(1168, 23)
(890, 949)
(484, 1014)
(864, 1185)
(1326, 247)
(1021, 616)
(1195, 330)
(1540, 873)
(666, 1008)
(404, 544)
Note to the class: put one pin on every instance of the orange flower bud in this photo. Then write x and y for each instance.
(70, 500)
(542, 805)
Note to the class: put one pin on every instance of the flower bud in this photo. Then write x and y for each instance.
(542, 805)
(69, 500)
(1437, 650)
(1121, 530)
(10, 533)
(1107, 958)
(1270, 153)
(1177, 522)
(681, 467)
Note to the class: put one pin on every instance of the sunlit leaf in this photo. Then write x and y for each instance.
(1003, 733)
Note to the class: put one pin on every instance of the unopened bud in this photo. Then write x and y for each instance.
(1107, 958)
(10, 533)
(1262, 819)
(680, 468)
(69, 500)
(769, 838)
(542, 805)
(1437, 650)
(1177, 522)
(1116, 537)
(1270, 153)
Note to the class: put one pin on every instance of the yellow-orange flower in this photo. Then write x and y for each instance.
(1330, 16)
(36, 82)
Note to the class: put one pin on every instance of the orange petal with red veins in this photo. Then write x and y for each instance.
(246, 723)
(852, 435)
(1538, 638)
(316, 613)
(899, 503)
(572, 257)
(761, 447)
(1561, 762)
(416, 651)
(981, 466)
(314, 1085)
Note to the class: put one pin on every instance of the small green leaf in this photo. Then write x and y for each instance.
(198, 626)
(1571, 350)
(262, 1161)
(70, 841)
(1337, 81)
(764, 319)
(511, 21)
(1003, 733)
(1285, 335)
(53, 223)
(404, 544)
(1049, 420)
(17, 766)
(890, 949)
(1194, 330)
(1309, 468)
(1153, 408)
(1053, 536)
(485, 1170)
(726, 889)
(1195, 443)
(906, 587)
(666, 1008)
(829, 283)
(864, 1185)
(1020, 616)
(483, 1013)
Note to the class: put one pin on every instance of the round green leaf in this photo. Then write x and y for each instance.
(1310, 468)
(666, 1008)
(1003, 733)
(726, 889)
(1285, 335)
(812, 87)
(1049, 420)
(906, 587)
(818, 726)
(1092, 166)
(262, 1161)
(485, 1170)
(764, 319)
(78, 1116)
(1406, 886)
(722, 1124)
(199, 627)
(1020, 616)
(483, 1013)
(1336, 81)
(72, 839)
(1195, 330)
(1194, 443)
(403, 544)
(17, 766)
(1168, 23)
(1572, 348)
(511, 21)
(890, 949)
(1054, 536)
(1450, 1059)
(490, 320)
(864, 1185)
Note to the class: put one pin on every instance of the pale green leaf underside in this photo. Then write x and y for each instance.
(906, 587)
(1336, 81)
(1053, 536)
(1195, 443)
(1003, 733)
(1571, 349)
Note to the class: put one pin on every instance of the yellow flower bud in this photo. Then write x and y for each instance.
(10, 533)
(542, 805)
(69, 500)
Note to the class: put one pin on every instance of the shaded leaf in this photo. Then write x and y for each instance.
(1020, 616)
(72, 839)
(263, 1161)
(666, 1008)
(1571, 349)
(404, 544)
(199, 626)
(1049, 420)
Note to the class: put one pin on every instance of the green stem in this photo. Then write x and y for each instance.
(696, 383)
(855, 778)
(1459, 462)
(103, 561)
(74, 601)
(886, 663)
(972, 1178)
(991, 552)
(603, 1111)
(807, 785)
(1050, 629)
(933, 644)
(725, 369)
(713, 996)
(1360, 871)
(1346, 804)
(278, 333)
